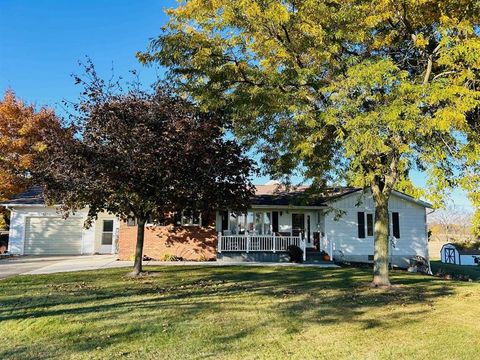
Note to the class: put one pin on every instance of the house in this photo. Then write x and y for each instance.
(458, 255)
(339, 221)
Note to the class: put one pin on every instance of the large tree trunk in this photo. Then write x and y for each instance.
(380, 258)
(137, 266)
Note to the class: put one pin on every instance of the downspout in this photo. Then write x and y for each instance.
(426, 237)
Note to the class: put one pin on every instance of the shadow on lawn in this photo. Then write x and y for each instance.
(296, 296)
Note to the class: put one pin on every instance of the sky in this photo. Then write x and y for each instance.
(42, 41)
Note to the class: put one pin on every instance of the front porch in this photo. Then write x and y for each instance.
(265, 248)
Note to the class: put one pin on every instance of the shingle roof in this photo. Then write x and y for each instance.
(297, 196)
(274, 195)
(469, 252)
(33, 196)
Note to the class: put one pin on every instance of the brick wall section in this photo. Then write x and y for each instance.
(189, 242)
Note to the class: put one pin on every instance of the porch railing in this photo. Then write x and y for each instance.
(269, 243)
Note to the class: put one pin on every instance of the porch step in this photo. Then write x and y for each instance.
(314, 255)
(309, 261)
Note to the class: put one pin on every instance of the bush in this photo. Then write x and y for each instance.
(203, 257)
(296, 254)
(455, 272)
(3, 242)
(170, 257)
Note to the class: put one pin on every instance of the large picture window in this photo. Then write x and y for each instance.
(258, 222)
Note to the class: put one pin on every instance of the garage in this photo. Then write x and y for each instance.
(53, 236)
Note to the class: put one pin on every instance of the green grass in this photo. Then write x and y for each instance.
(472, 272)
(237, 313)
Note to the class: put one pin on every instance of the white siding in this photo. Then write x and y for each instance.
(468, 260)
(97, 228)
(19, 216)
(344, 232)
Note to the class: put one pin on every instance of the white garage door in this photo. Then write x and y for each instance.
(53, 236)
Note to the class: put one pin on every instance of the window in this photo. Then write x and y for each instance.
(298, 224)
(155, 222)
(259, 223)
(369, 224)
(250, 222)
(361, 225)
(107, 233)
(396, 225)
(194, 219)
(131, 221)
(267, 223)
(237, 223)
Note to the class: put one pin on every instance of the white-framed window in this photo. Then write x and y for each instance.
(193, 219)
(107, 232)
(258, 222)
(158, 222)
(131, 221)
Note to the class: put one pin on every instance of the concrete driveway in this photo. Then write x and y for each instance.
(25, 265)
(32, 265)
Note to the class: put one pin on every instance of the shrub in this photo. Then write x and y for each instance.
(170, 257)
(296, 254)
(203, 257)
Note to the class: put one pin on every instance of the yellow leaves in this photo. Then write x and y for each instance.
(277, 12)
(420, 41)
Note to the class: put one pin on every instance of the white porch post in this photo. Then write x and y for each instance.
(219, 242)
(274, 245)
(304, 246)
(248, 243)
(331, 249)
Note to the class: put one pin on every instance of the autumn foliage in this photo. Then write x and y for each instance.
(22, 130)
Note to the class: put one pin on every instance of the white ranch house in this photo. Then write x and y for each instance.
(339, 221)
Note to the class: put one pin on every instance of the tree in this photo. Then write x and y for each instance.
(454, 224)
(22, 133)
(141, 154)
(356, 91)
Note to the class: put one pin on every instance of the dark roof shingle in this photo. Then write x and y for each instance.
(33, 196)
(297, 196)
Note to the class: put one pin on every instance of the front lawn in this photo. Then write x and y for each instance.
(237, 313)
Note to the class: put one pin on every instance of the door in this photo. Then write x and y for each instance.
(53, 236)
(298, 224)
(107, 237)
(450, 256)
